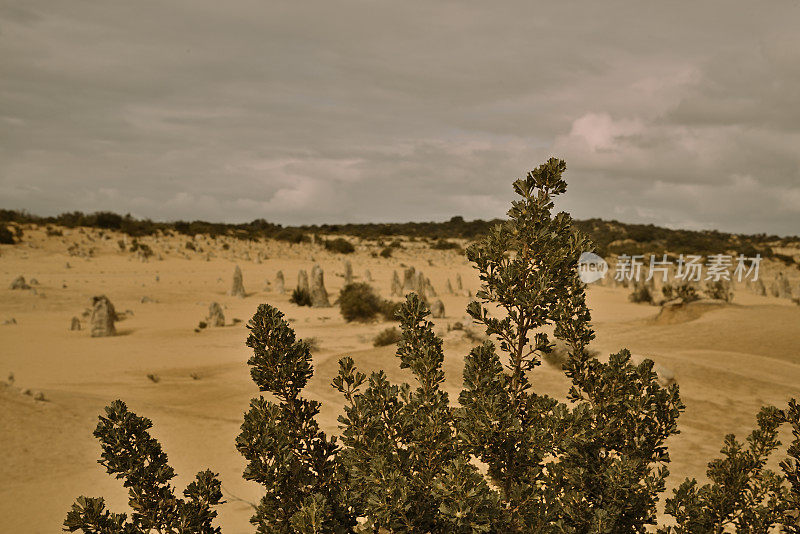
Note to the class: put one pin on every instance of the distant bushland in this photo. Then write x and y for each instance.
(609, 237)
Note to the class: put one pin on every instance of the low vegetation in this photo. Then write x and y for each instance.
(6, 236)
(340, 246)
(719, 290)
(641, 294)
(687, 292)
(389, 336)
(609, 237)
(360, 302)
(443, 244)
(300, 296)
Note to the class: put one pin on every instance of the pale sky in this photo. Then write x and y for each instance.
(681, 114)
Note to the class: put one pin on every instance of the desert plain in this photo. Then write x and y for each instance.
(194, 385)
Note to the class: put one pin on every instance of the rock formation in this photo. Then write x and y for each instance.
(426, 287)
(409, 280)
(348, 272)
(784, 287)
(319, 296)
(437, 309)
(75, 325)
(397, 287)
(302, 281)
(215, 316)
(237, 288)
(103, 317)
(280, 283)
(760, 288)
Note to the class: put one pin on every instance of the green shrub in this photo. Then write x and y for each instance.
(131, 454)
(6, 236)
(107, 220)
(340, 246)
(390, 309)
(668, 291)
(143, 248)
(719, 290)
(301, 297)
(389, 336)
(443, 244)
(291, 235)
(743, 495)
(641, 294)
(787, 260)
(406, 461)
(359, 302)
(687, 292)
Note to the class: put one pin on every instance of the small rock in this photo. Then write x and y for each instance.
(437, 309)
(19, 283)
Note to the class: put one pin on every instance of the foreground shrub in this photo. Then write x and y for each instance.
(743, 495)
(286, 452)
(131, 454)
(340, 245)
(406, 462)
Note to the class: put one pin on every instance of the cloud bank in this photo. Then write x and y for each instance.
(678, 114)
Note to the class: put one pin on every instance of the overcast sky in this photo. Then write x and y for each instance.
(683, 114)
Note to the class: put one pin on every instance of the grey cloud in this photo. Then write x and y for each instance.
(369, 111)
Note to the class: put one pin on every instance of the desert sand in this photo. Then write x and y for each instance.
(728, 361)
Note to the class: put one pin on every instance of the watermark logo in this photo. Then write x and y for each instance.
(688, 268)
(591, 267)
(685, 268)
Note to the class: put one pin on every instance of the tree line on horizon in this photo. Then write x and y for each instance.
(609, 236)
